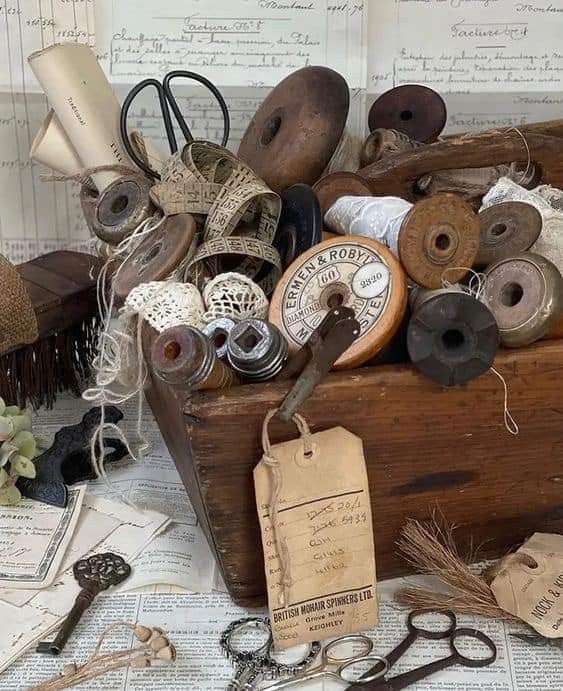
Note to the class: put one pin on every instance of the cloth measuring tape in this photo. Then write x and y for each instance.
(205, 178)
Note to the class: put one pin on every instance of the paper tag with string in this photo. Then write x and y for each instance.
(314, 509)
(530, 584)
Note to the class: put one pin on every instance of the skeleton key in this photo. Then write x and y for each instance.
(94, 574)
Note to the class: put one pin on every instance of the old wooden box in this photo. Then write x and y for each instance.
(426, 447)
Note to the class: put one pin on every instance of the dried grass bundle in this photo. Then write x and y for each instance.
(430, 548)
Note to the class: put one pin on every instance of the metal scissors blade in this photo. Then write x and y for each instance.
(537, 640)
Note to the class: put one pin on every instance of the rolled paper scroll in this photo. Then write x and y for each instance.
(52, 147)
(85, 104)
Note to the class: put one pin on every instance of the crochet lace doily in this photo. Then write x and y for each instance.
(167, 303)
(235, 296)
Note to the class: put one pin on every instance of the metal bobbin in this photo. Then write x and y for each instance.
(119, 209)
(184, 357)
(256, 349)
(525, 293)
(218, 331)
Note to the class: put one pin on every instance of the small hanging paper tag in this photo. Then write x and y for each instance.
(313, 503)
(530, 584)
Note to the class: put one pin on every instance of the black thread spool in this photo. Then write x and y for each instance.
(115, 212)
(452, 338)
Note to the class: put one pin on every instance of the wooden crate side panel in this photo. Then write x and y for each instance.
(426, 447)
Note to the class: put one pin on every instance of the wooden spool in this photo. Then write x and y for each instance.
(356, 272)
(507, 229)
(119, 209)
(158, 255)
(439, 234)
(525, 293)
(417, 111)
(336, 185)
(296, 130)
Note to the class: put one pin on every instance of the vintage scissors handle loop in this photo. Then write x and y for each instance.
(427, 633)
(332, 659)
(473, 661)
(176, 110)
(165, 117)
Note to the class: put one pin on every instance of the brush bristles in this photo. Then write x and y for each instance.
(430, 548)
(38, 372)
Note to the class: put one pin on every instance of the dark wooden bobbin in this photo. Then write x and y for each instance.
(186, 359)
(507, 229)
(525, 293)
(119, 209)
(417, 111)
(158, 255)
(439, 240)
(296, 130)
(452, 338)
(336, 185)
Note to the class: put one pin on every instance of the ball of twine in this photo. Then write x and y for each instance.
(235, 296)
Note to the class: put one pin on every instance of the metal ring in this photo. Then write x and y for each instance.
(294, 667)
(368, 677)
(432, 635)
(350, 638)
(245, 656)
(471, 661)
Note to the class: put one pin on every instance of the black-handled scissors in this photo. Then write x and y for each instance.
(451, 632)
(167, 102)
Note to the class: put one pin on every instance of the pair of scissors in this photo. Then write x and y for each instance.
(451, 632)
(168, 101)
(339, 666)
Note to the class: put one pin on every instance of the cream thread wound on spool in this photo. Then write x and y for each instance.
(378, 218)
(548, 244)
(234, 296)
(353, 271)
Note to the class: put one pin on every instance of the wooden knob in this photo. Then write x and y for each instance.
(158, 255)
(295, 131)
(417, 111)
(507, 229)
(439, 239)
(352, 271)
(525, 295)
(452, 337)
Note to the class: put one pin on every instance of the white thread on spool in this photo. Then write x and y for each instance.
(377, 218)
(346, 156)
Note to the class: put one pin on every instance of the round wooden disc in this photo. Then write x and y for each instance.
(416, 110)
(295, 131)
(157, 256)
(507, 229)
(353, 271)
(439, 234)
(336, 185)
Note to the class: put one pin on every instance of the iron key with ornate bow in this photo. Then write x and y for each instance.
(94, 574)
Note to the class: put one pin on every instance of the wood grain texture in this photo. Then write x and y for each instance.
(426, 447)
(398, 174)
